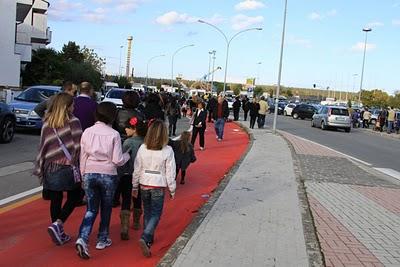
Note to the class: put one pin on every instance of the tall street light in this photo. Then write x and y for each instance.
(172, 63)
(280, 68)
(148, 63)
(366, 30)
(120, 58)
(213, 68)
(228, 43)
(258, 72)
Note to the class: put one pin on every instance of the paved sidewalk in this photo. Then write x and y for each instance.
(356, 210)
(257, 220)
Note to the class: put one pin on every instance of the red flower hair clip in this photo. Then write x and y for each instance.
(133, 121)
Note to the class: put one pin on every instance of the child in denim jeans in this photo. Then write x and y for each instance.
(101, 154)
(154, 171)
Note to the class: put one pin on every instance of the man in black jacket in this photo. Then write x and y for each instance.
(220, 114)
(245, 107)
(199, 124)
(236, 109)
(210, 107)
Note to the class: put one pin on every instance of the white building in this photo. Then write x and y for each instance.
(24, 28)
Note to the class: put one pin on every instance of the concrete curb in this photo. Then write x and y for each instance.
(180, 243)
(315, 255)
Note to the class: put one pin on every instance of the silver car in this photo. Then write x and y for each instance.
(332, 117)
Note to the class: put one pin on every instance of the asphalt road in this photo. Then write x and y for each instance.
(381, 152)
(17, 157)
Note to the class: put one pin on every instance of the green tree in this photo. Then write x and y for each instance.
(82, 72)
(91, 57)
(289, 93)
(259, 90)
(219, 86)
(123, 82)
(46, 67)
(236, 88)
(394, 101)
(374, 98)
(72, 52)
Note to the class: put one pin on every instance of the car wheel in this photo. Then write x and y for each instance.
(323, 126)
(7, 130)
(347, 130)
(285, 113)
(295, 116)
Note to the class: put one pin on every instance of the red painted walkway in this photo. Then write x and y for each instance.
(23, 231)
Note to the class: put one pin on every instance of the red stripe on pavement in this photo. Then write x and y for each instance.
(339, 246)
(23, 231)
(389, 198)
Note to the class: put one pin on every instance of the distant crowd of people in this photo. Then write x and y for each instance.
(387, 119)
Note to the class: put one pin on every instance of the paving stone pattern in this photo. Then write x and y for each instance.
(377, 228)
(338, 170)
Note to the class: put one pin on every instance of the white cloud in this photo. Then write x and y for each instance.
(375, 24)
(359, 47)
(174, 17)
(96, 16)
(320, 16)
(249, 5)
(127, 5)
(240, 22)
(396, 22)
(315, 16)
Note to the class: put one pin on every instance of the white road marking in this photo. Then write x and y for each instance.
(16, 168)
(343, 154)
(389, 172)
(20, 195)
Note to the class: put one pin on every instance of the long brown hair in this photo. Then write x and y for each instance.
(184, 144)
(157, 136)
(58, 113)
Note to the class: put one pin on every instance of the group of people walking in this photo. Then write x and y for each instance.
(387, 119)
(107, 152)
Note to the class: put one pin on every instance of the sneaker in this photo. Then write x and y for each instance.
(219, 140)
(54, 232)
(202, 148)
(103, 244)
(145, 247)
(65, 238)
(82, 249)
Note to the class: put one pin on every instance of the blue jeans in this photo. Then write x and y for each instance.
(219, 125)
(390, 126)
(153, 202)
(99, 189)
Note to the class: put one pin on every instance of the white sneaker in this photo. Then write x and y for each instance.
(82, 249)
(103, 244)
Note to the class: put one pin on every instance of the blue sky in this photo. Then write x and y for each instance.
(324, 40)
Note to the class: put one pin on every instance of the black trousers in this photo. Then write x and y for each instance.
(253, 121)
(125, 189)
(245, 115)
(236, 115)
(183, 173)
(57, 210)
(365, 124)
(209, 115)
(172, 120)
(200, 132)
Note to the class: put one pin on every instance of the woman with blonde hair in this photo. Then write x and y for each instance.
(57, 163)
(154, 172)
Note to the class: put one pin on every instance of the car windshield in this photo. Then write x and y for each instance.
(115, 94)
(36, 95)
(339, 112)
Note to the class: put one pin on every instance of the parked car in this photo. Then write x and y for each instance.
(23, 105)
(374, 116)
(332, 117)
(288, 109)
(7, 123)
(114, 95)
(303, 111)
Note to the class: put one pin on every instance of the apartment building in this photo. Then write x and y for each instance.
(24, 28)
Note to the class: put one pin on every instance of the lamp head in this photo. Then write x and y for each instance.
(201, 21)
(259, 29)
(367, 29)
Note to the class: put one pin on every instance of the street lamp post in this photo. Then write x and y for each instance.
(366, 30)
(120, 58)
(258, 72)
(280, 69)
(172, 63)
(213, 68)
(148, 63)
(228, 43)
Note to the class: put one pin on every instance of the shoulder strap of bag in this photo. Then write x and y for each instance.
(63, 147)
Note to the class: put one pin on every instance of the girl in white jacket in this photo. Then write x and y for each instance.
(154, 171)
